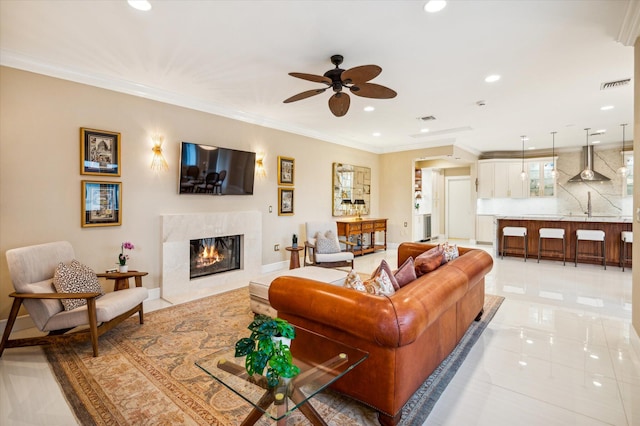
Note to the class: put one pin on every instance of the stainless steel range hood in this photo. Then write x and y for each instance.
(587, 151)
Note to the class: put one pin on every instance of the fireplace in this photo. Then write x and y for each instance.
(214, 255)
(177, 232)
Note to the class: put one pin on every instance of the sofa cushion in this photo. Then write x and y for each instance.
(405, 273)
(429, 261)
(74, 277)
(450, 251)
(354, 281)
(380, 285)
(327, 243)
(384, 266)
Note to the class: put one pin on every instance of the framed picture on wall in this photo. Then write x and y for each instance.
(99, 152)
(285, 170)
(101, 203)
(285, 201)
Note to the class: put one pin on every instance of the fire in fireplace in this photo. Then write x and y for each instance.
(214, 255)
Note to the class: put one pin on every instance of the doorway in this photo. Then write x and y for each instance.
(459, 217)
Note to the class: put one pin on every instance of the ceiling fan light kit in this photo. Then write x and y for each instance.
(355, 79)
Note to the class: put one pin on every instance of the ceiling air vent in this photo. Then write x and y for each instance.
(614, 84)
(427, 118)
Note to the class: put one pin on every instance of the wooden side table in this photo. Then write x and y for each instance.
(295, 257)
(122, 278)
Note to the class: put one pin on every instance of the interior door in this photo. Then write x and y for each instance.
(459, 222)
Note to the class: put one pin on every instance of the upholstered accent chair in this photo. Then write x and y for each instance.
(323, 246)
(32, 271)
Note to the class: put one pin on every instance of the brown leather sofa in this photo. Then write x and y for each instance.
(407, 335)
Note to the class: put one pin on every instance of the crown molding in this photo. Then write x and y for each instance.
(16, 60)
(630, 28)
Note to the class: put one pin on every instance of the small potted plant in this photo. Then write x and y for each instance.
(122, 258)
(268, 347)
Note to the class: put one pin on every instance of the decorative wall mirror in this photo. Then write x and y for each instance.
(351, 190)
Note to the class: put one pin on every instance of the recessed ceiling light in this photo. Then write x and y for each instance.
(369, 108)
(595, 142)
(524, 138)
(606, 108)
(492, 78)
(601, 131)
(424, 130)
(376, 134)
(531, 147)
(143, 5)
(433, 6)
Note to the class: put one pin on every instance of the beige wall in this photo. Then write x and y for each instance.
(40, 178)
(635, 293)
(396, 185)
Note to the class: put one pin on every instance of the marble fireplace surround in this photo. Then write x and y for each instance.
(179, 229)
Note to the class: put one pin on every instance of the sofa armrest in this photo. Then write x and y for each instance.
(360, 314)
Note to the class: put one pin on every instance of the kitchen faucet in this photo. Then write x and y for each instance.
(588, 212)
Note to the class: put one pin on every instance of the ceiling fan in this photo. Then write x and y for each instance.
(355, 79)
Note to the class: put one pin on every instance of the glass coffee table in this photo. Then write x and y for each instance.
(322, 361)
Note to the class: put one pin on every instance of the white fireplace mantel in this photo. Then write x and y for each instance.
(179, 229)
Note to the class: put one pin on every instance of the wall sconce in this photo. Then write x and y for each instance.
(158, 163)
(261, 172)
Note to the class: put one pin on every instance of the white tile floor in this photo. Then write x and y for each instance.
(560, 351)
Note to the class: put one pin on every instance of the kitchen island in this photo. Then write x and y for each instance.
(611, 225)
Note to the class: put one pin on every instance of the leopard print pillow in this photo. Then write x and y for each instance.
(74, 277)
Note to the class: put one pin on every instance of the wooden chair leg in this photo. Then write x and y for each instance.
(141, 314)
(93, 324)
(15, 308)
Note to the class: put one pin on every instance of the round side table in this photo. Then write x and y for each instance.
(295, 257)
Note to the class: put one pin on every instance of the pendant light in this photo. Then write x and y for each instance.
(622, 171)
(587, 173)
(554, 172)
(523, 174)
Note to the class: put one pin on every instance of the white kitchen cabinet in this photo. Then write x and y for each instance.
(485, 229)
(485, 179)
(501, 179)
(540, 181)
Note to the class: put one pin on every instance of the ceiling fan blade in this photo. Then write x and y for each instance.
(360, 74)
(304, 95)
(371, 90)
(339, 104)
(311, 77)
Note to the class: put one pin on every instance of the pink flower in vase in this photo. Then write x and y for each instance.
(122, 258)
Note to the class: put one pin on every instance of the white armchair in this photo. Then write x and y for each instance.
(32, 269)
(317, 257)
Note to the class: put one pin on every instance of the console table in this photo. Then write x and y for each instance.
(363, 233)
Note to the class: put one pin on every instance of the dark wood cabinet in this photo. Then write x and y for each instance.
(362, 232)
(612, 232)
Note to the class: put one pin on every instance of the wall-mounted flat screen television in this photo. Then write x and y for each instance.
(212, 170)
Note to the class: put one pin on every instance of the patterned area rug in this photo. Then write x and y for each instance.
(145, 375)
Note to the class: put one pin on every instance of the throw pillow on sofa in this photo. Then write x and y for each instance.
(327, 243)
(429, 261)
(74, 277)
(405, 273)
(450, 251)
(384, 266)
(354, 281)
(380, 285)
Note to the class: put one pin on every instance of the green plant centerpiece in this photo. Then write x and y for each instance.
(263, 351)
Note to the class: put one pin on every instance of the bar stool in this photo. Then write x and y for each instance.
(626, 237)
(554, 233)
(591, 235)
(515, 231)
